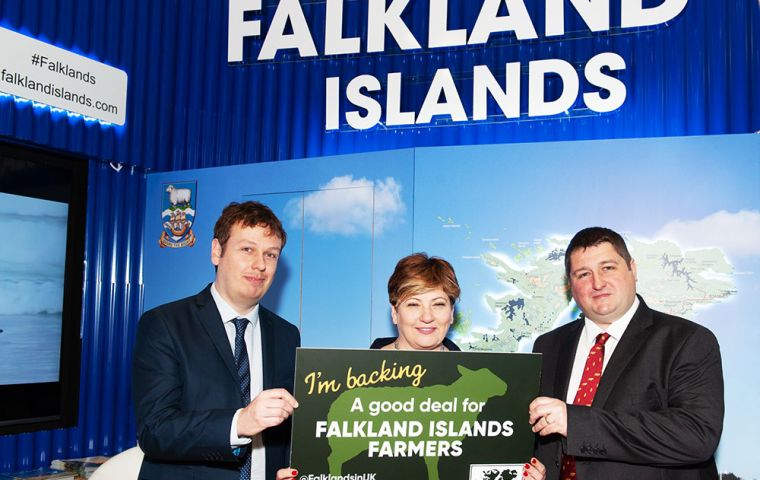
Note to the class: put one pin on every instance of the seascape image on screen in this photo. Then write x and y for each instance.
(32, 262)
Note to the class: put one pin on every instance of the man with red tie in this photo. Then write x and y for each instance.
(626, 392)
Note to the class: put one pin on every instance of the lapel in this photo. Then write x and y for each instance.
(566, 357)
(208, 316)
(266, 322)
(633, 339)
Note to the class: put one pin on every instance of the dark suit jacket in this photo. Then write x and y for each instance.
(658, 412)
(185, 388)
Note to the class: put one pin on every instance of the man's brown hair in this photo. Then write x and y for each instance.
(247, 214)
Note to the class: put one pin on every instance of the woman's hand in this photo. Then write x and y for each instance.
(287, 473)
(534, 470)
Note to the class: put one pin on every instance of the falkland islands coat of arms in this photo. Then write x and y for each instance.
(178, 214)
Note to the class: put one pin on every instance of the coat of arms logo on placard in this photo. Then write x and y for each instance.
(178, 214)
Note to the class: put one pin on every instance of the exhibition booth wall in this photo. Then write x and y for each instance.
(202, 93)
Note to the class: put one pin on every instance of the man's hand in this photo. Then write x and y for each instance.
(548, 415)
(269, 409)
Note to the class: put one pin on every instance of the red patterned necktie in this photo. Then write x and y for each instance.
(592, 373)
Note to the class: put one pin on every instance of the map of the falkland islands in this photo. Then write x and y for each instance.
(536, 296)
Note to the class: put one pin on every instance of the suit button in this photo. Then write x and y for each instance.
(556, 463)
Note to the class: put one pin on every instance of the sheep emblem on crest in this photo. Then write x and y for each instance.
(177, 215)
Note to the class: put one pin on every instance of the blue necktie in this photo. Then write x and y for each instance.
(244, 374)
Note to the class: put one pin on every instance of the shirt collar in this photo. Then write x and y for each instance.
(617, 328)
(228, 313)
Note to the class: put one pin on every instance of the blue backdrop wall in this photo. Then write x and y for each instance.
(188, 108)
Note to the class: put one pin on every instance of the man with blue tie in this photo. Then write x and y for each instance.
(627, 392)
(212, 374)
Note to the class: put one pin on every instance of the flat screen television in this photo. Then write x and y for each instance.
(43, 202)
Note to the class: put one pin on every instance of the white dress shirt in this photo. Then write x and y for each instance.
(588, 338)
(253, 347)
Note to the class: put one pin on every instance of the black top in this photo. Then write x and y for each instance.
(381, 342)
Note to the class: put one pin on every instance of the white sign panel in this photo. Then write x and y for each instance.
(47, 74)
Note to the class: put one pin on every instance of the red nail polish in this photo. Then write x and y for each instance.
(533, 461)
(525, 474)
(294, 473)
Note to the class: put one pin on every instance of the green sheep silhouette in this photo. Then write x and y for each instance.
(476, 385)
